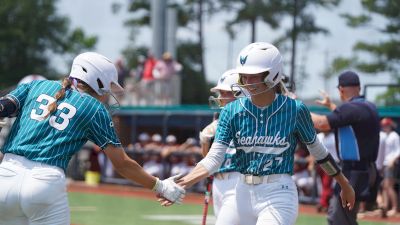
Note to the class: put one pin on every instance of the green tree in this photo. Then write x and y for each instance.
(380, 56)
(31, 34)
(251, 11)
(273, 12)
(302, 28)
(195, 89)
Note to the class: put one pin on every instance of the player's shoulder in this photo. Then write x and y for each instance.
(95, 103)
(43, 84)
(294, 104)
(300, 105)
(233, 106)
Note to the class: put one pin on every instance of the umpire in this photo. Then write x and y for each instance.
(356, 126)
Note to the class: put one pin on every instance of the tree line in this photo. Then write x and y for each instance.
(32, 33)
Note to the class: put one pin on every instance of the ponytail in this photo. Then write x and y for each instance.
(66, 84)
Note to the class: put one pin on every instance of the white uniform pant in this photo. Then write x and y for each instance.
(224, 198)
(32, 193)
(273, 202)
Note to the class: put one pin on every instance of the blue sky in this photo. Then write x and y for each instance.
(96, 18)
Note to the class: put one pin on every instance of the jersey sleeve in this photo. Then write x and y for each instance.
(343, 115)
(101, 130)
(304, 125)
(19, 94)
(224, 131)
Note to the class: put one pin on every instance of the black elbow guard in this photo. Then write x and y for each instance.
(7, 107)
(329, 165)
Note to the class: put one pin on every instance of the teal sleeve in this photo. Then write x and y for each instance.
(19, 94)
(224, 131)
(304, 125)
(102, 131)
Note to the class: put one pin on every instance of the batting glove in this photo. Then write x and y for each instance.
(170, 190)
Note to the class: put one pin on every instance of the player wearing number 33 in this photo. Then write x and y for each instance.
(265, 128)
(54, 120)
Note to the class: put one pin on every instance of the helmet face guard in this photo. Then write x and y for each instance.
(97, 71)
(219, 102)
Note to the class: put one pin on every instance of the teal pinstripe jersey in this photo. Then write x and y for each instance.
(265, 139)
(79, 117)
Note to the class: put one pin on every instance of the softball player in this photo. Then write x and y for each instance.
(223, 187)
(265, 128)
(53, 122)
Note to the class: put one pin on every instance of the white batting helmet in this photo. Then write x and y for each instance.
(97, 71)
(226, 81)
(261, 57)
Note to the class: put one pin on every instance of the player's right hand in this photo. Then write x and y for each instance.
(169, 190)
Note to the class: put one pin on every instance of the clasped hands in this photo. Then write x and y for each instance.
(169, 191)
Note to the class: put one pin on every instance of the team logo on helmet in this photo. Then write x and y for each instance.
(243, 59)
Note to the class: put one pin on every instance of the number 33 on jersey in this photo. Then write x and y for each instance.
(59, 122)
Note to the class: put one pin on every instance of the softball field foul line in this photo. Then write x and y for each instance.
(189, 219)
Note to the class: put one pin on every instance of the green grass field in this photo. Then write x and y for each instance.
(96, 209)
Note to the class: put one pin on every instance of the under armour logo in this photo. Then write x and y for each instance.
(243, 59)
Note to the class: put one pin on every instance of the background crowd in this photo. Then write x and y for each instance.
(153, 82)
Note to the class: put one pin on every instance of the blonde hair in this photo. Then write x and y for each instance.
(280, 88)
(60, 94)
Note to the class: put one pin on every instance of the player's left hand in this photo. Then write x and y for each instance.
(348, 196)
(170, 191)
(163, 201)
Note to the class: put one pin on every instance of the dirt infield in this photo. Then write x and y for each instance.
(191, 198)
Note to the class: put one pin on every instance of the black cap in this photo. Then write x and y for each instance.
(348, 78)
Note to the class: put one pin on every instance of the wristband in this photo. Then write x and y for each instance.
(329, 165)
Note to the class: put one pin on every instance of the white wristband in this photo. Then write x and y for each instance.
(156, 185)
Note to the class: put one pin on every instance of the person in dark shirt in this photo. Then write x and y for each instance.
(356, 125)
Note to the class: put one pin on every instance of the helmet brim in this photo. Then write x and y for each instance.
(220, 88)
(117, 89)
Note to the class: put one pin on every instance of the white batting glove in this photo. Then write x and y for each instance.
(170, 190)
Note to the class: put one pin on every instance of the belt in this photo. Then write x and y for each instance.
(226, 175)
(254, 180)
(23, 162)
